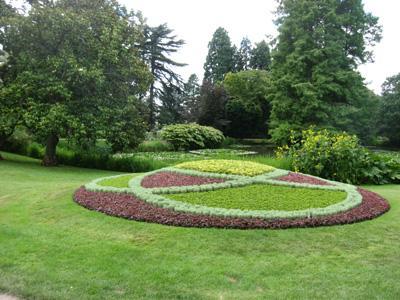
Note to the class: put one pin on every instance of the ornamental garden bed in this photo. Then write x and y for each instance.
(230, 194)
(210, 152)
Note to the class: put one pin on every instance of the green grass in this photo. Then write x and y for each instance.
(119, 182)
(263, 197)
(51, 248)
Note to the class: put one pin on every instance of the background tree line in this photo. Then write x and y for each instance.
(88, 70)
(310, 78)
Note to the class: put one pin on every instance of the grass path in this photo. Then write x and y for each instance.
(51, 248)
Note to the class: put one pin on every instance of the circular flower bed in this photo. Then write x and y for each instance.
(230, 194)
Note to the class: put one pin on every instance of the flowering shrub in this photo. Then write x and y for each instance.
(338, 156)
(236, 167)
(192, 136)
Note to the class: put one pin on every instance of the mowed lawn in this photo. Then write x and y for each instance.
(51, 248)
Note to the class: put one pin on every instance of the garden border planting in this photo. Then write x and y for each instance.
(158, 196)
(129, 207)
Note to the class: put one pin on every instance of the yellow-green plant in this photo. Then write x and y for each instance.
(337, 156)
(235, 167)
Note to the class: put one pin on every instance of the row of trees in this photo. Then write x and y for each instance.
(92, 69)
(224, 57)
(235, 103)
(312, 79)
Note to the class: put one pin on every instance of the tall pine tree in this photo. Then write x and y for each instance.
(220, 57)
(315, 81)
(243, 56)
(171, 104)
(159, 44)
(260, 57)
(191, 99)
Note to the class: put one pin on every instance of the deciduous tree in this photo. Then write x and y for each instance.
(213, 99)
(248, 108)
(72, 64)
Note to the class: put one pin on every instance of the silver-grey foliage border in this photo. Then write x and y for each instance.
(156, 196)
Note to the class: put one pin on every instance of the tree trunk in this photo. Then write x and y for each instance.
(50, 158)
(2, 139)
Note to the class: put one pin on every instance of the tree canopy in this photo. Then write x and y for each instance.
(260, 58)
(319, 46)
(390, 109)
(242, 58)
(248, 108)
(74, 67)
(220, 57)
(159, 44)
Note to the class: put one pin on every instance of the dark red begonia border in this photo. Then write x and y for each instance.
(168, 179)
(129, 207)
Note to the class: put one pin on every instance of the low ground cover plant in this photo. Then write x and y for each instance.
(208, 152)
(192, 136)
(118, 182)
(236, 167)
(263, 197)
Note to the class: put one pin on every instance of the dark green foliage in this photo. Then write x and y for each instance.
(213, 99)
(260, 57)
(390, 109)
(248, 108)
(192, 136)
(171, 109)
(191, 99)
(340, 157)
(154, 146)
(263, 197)
(220, 57)
(315, 80)
(126, 128)
(243, 55)
(158, 44)
(71, 65)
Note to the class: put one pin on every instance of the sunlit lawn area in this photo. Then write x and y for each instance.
(51, 248)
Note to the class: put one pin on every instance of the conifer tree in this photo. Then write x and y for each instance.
(314, 79)
(159, 44)
(220, 57)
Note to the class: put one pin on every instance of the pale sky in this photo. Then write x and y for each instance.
(196, 20)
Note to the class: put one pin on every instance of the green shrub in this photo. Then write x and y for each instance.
(154, 146)
(192, 136)
(339, 156)
(35, 150)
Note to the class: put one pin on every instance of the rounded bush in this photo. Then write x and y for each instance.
(336, 156)
(192, 136)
